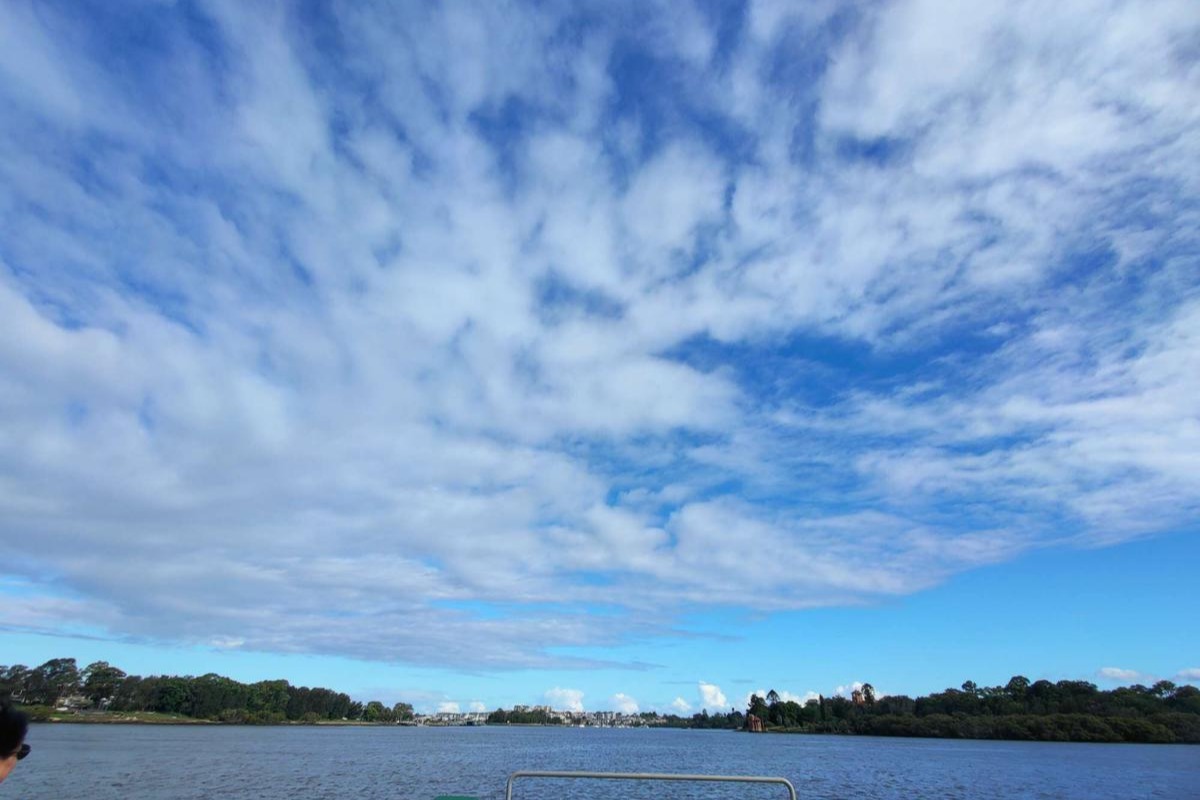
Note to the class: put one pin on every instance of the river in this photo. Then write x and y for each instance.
(133, 762)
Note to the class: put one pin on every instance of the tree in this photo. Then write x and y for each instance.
(970, 687)
(868, 692)
(403, 711)
(57, 679)
(758, 707)
(101, 681)
(772, 697)
(13, 682)
(269, 697)
(1016, 686)
(1163, 689)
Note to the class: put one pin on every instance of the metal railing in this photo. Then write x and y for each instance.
(648, 776)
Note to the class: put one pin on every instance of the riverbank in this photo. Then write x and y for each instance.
(1166, 728)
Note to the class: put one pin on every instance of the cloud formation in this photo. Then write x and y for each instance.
(1119, 674)
(711, 696)
(565, 699)
(416, 340)
(623, 703)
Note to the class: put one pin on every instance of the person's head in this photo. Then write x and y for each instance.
(13, 726)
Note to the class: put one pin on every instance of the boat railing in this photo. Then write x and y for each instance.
(646, 776)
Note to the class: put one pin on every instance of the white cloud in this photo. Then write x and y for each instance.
(711, 696)
(477, 706)
(681, 706)
(388, 376)
(448, 707)
(623, 703)
(1119, 674)
(1190, 674)
(565, 699)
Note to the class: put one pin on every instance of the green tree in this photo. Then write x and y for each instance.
(758, 707)
(1163, 689)
(1016, 687)
(13, 682)
(58, 679)
(172, 695)
(101, 681)
(269, 697)
(868, 692)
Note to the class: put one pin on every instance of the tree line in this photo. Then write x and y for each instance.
(1075, 711)
(534, 716)
(102, 687)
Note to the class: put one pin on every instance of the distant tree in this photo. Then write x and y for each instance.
(868, 692)
(13, 682)
(772, 697)
(758, 707)
(970, 687)
(402, 711)
(1163, 689)
(101, 681)
(897, 704)
(268, 697)
(1016, 686)
(59, 679)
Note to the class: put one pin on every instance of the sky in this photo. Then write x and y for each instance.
(610, 355)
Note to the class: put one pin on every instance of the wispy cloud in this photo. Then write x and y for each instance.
(417, 340)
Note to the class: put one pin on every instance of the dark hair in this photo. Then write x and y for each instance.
(13, 725)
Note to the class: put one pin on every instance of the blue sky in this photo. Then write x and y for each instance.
(606, 354)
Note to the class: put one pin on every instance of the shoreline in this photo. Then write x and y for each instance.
(154, 719)
(164, 719)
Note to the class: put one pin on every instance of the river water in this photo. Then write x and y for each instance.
(99, 762)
